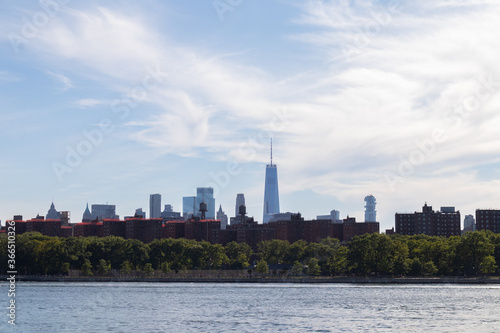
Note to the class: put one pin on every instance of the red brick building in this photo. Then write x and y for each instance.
(315, 230)
(351, 228)
(174, 229)
(488, 219)
(145, 230)
(200, 230)
(113, 227)
(88, 229)
(428, 222)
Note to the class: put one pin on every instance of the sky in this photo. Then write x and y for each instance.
(111, 101)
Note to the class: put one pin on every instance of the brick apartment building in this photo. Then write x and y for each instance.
(488, 219)
(445, 222)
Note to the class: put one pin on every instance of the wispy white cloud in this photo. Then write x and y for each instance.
(91, 102)
(64, 80)
(9, 77)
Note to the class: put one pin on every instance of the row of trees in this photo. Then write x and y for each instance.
(476, 253)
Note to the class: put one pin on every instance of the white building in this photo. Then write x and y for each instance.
(370, 212)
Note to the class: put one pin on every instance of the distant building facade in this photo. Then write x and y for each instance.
(488, 219)
(189, 208)
(240, 200)
(101, 212)
(53, 214)
(140, 213)
(334, 217)
(428, 222)
(370, 212)
(206, 195)
(222, 217)
(469, 223)
(271, 192)
(168, 213)
(87, 215)
(154, 205)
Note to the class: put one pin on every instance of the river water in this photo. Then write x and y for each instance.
(211, 307)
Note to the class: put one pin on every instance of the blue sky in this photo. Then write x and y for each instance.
(110, 101)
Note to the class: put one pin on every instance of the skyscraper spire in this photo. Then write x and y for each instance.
(271, 151)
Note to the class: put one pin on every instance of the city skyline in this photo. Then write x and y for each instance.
(113, 102)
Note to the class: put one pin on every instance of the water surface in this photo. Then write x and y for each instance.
(211, 307)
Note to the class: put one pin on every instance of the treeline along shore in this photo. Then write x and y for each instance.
(393, 259)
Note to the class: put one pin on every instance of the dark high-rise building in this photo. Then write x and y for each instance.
(488, 219)
(428, 222)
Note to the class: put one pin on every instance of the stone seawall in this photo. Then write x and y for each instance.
(353, 280)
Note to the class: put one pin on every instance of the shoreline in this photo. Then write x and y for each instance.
(348, 280)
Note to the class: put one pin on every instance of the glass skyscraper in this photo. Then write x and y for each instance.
(206, 195)
(271, 195)
(189, 207)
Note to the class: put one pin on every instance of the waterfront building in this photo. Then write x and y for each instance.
(145, 230)
(445, 222)
(154, 205)
(271, 193)
(488, 219)
(89, 229)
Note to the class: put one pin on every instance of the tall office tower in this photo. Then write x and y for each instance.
(102, 212)
(189, 207)
(87, 216)
(240, 200)
(53, 213)
(469, 223)
(206, 195)
(370, 212)
(154, 206)
(222, 217)
(271, 195)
